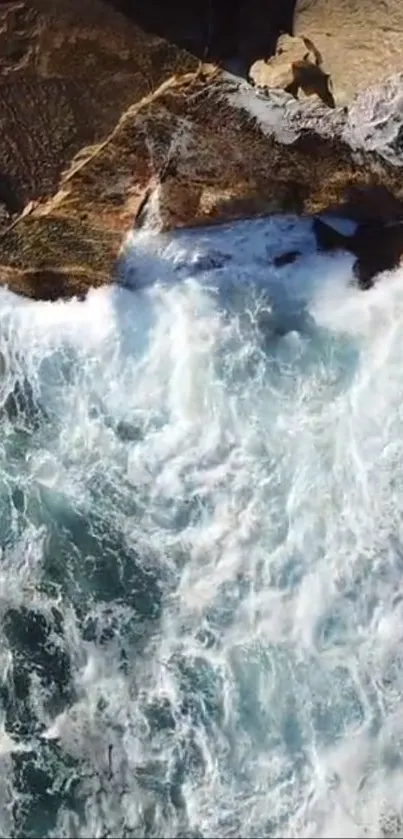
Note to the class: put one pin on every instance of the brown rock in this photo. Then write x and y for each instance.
(296, 66)
(101, 121)
(223, 164)
(361, 41)
(275, 72)
(68, 70)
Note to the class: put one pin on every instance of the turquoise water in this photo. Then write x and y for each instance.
(201, 484)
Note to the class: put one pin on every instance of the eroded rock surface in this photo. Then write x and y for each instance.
(361, 40)
(68, 70)
(102, 123)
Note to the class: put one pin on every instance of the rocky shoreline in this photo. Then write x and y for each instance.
(100, 118)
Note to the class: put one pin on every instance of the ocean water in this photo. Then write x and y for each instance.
(201, 569)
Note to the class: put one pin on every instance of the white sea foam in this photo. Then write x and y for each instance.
(233, 432)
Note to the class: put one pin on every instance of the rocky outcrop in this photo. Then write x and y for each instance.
(361, 41)
(68, 70)
(205, 149)
(104, 125)
(239, 31)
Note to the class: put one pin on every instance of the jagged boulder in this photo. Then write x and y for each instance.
(297, 66)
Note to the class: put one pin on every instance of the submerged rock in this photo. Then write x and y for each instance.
(286, 258)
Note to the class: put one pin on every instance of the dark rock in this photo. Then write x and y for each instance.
(210, 261)
(327, 238)
(286, 258)
(377, 246)
(217, 30)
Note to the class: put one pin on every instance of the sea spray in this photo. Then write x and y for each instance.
(201, 570)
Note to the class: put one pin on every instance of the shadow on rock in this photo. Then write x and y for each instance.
(377, 246)
(219, 30)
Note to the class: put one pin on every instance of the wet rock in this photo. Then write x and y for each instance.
(209, 261)
(236, 157)
(376, 245)
(286, 258)
(327, 238)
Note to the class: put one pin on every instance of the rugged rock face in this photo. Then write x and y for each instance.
(361, 40)
(207, 150)
(101, 122)
(359, 44)
(68, 70)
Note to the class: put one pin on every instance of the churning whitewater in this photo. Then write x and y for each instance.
(201, 578)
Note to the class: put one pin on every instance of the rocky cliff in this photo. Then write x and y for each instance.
(100, 118)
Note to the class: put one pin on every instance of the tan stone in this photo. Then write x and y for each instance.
(276, 72)
(296, 67)
(361, 41)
